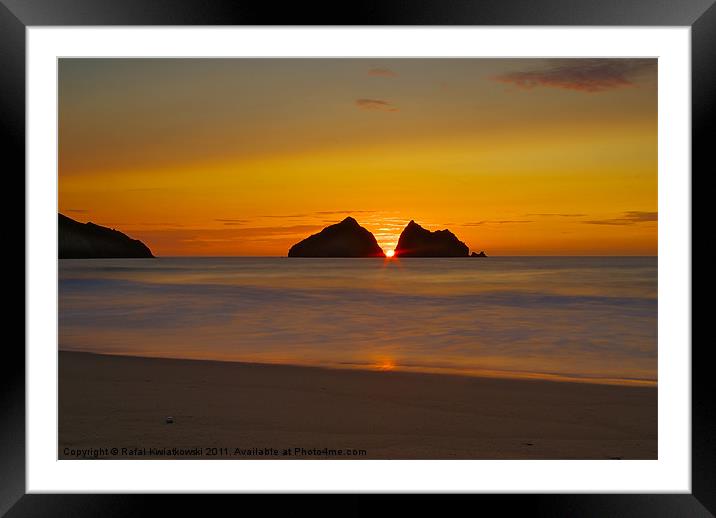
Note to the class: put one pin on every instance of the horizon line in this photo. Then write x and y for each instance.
(382, 258)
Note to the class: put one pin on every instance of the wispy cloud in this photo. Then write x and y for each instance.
(78, 211)
(381, 72)
(585, 75)
(627, 218)
(555, 215)
(279, 216)
(138, 224)
(375, 105)
(496, 222)
(325, 212)
(233, 221)
(146, 189)
(228, 234)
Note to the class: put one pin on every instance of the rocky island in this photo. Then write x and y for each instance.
(89, 241)
(416, 241)
(349, 239)
(344, 239)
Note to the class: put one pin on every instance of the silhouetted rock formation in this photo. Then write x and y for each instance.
(415, 241)
(344, 239)
(89, 241)
(481, 254)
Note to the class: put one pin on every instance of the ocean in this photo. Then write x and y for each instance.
(590, 319)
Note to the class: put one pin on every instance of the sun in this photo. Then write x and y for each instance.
(390, 253)
(386, 365)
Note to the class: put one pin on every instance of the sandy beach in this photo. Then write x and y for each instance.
(239, 410)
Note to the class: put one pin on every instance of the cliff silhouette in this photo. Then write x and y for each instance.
(344, 239)
(89, 241)
(415, 241)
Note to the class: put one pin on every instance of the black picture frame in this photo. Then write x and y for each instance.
(17, 15)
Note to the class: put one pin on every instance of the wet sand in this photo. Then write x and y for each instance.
(243, 410)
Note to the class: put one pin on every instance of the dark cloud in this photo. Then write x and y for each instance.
(375, 105)
(627, 218)
(585, 75)
(496, 221)
(381, 72)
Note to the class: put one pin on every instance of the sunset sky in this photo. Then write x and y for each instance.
(248, 156)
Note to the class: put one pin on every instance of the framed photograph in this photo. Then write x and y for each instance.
(436, 248)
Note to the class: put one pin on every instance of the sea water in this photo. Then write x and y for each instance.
(570, 318)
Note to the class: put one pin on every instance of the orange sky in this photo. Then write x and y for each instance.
(248, 156)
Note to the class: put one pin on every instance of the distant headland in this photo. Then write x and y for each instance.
(349, 239)
(89, 241)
